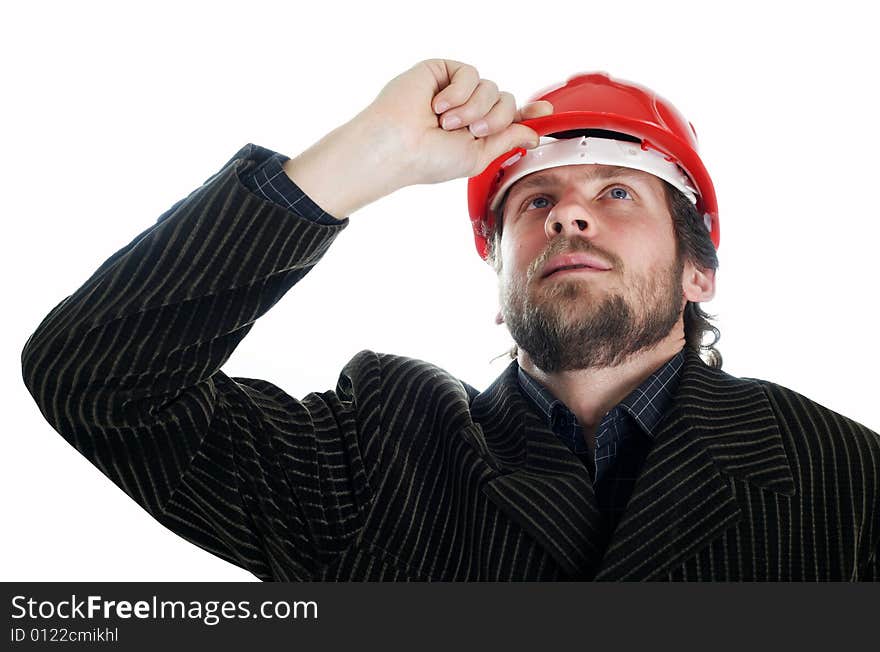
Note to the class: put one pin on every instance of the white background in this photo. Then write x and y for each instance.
(111, 114)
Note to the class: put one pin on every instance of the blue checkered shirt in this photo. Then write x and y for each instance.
(270, 181)
(624, 436)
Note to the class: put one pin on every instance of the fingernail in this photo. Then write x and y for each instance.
(480, 128)
(441, 106)
(451, 122)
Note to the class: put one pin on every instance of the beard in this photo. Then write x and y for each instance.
(574, 323)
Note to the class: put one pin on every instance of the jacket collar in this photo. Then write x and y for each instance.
(718, 427)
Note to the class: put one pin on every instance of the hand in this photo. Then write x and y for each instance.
(416, 113)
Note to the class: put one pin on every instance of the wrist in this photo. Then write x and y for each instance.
(352, 166)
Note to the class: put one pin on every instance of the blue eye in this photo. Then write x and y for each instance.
(615, 192)
(534, 199)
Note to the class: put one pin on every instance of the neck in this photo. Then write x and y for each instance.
(591, 393)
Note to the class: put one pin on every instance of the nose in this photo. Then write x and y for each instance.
(569, 219)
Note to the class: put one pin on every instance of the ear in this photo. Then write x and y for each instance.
(499, 318)
(698, 284)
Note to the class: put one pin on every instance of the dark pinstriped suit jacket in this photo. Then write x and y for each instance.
(404, 472)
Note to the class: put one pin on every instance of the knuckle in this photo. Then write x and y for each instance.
(497, 121)
(504, 107)
(469, 114)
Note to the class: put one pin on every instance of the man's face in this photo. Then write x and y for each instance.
(629, 298)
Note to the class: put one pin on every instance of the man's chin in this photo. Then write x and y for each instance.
(568, 289)
(572, 299)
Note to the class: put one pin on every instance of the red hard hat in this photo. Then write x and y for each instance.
(597, 101)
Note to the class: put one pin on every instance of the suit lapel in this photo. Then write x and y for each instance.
(538, 482)
(719, 427)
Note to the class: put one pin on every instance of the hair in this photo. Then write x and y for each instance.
(693, 244)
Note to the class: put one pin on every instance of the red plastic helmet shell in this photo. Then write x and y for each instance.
(595, 100)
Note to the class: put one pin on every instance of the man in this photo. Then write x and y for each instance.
(607, 450)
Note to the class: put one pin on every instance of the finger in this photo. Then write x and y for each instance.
(498, 117)
(462, 80)
(491, 147)
(533, 110)
(480, 102)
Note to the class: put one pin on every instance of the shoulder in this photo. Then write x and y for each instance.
(806, 419)
(402, 378)
(834, 456)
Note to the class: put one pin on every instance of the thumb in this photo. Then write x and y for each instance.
(516, 135)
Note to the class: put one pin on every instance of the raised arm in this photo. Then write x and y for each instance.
(128, 367)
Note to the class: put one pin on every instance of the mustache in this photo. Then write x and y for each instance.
(572, 245)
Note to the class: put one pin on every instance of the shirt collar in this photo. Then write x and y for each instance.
(646, 404)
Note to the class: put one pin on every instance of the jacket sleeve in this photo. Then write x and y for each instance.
(127, 370)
